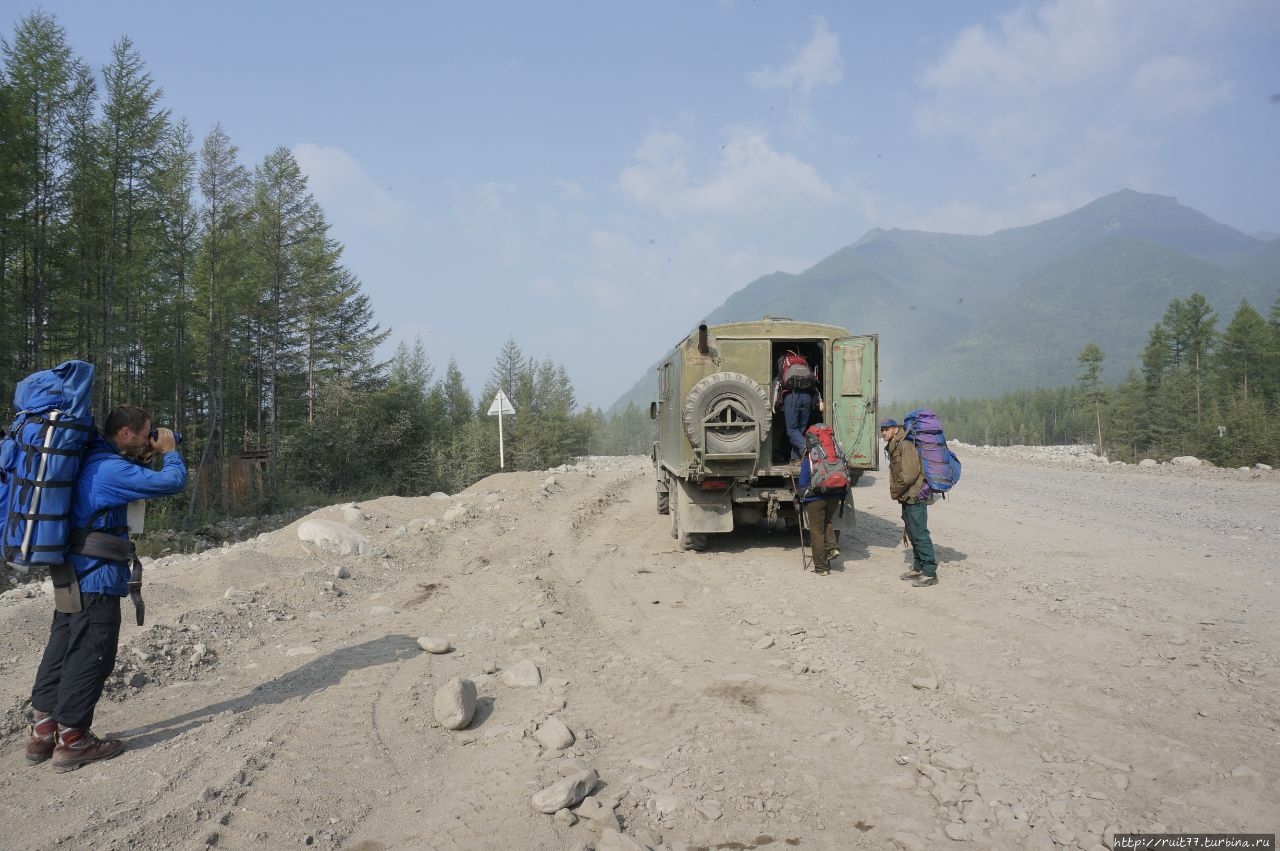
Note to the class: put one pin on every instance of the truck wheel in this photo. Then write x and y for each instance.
(664, 502)
(696, 541)
(735, 404)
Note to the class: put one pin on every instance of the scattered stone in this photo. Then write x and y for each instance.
(434, 645)
(709, 809)
(304, 650)
(439, 495)
(565, 817)
(235, 595)
(455, 704)
(490, 667)
(945, 793)
(553, 735)
(198, 652)
(523, 674)
(565, 793)
(763, 644)
(664, 805)
(1147, 462)
(925, 683)
(455, 513)
(341, 572)
(353, 514)
(534, 623)
(1120, 781)
(334, 537)
(1186, 461)
(958, 832)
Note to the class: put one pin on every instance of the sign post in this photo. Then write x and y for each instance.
(501, 405)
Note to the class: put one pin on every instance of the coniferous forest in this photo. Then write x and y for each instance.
(1201, 389)
(212, 292)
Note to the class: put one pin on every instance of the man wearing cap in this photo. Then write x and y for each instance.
(906, 478)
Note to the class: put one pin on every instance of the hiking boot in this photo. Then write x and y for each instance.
(924, 581)
(822, 571)
(911, 574)
(43, 738)
(78, 746)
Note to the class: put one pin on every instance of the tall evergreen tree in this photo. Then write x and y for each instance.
(133, 127)
(1092, 393)
(1243, 353)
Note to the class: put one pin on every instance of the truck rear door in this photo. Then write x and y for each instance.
(851, 393)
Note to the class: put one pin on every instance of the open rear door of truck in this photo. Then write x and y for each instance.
(853, 369)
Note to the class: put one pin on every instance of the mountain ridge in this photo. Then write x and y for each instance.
(1011, 309)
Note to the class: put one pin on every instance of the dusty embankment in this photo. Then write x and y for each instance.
(1102, 653)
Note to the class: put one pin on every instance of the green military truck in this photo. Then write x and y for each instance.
(722, 453)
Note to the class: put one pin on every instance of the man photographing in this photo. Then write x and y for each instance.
(81, 652)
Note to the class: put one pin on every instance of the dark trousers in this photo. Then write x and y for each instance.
(797, 406)
(77, 660)
(915, 516)
(820, 516)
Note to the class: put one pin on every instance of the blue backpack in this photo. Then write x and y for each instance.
(40, 458)
(941, 466)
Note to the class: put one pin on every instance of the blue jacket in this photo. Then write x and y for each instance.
(806, 476)
(107, 483)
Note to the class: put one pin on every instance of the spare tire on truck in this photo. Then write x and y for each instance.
(735, 404)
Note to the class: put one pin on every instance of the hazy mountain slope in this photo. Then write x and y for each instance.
(989, 313)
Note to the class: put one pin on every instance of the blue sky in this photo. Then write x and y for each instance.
(593, 178)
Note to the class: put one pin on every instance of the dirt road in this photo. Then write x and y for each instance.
(1101, 654)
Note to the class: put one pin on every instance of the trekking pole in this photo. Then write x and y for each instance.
(34, 508)
(795, 493)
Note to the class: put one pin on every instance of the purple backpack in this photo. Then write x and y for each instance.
(941, 466)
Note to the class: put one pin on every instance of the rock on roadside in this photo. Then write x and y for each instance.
(553, 735)
(333, 537)
(523, 674)
(455, 704)
(434, 645)
(565, 793)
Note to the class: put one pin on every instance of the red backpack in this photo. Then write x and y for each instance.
(794, 372)
(828, 467)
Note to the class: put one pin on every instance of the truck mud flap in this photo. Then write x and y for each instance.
(703, 511)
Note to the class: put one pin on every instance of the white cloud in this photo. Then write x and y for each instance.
(1171, 87)
(817, 63)
(749, 177)
(1067, 99)
(344, 187)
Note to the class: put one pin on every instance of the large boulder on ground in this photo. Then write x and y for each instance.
(333, 537)
(1186, 461)
(455, 704)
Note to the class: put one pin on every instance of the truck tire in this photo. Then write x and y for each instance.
(664, 501)
(733, 399)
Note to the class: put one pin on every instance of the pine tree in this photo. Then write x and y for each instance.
(1092, 393)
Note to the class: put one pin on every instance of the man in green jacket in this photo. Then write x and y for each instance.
(906, 478)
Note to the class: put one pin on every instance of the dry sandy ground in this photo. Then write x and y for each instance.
(1102, 653)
